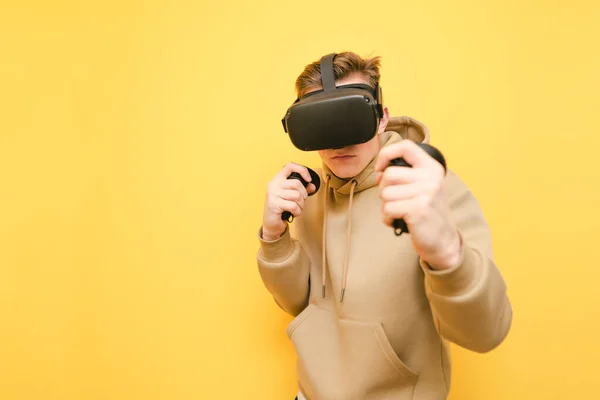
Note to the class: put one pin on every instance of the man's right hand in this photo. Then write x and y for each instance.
(284, 194)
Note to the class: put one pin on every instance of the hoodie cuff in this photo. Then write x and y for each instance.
(457, 280)
(277, 250)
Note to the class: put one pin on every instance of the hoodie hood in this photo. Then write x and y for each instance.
(409, 128)
(398, 128)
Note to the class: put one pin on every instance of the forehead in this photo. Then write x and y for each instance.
(354, 78)
(347, 80)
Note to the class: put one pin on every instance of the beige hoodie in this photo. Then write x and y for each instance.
(373, 321)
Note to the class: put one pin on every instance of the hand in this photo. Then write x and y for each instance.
(416, 195)
(284, 194)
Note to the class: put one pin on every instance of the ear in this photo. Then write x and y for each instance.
(384, 120)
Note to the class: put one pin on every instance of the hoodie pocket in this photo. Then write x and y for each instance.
(343, 359)
(299, 319)
(388, 350)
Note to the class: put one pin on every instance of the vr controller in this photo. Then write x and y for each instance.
(399, 225)
(315, 180)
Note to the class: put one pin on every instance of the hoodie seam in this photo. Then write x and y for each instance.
(415, 388)
(442, 357)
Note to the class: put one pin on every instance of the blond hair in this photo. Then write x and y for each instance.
(344, 64)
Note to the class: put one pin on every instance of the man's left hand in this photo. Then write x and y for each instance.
(416, 195)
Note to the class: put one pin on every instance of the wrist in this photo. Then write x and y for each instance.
(450, 253)
(454, 255)
(270, 236)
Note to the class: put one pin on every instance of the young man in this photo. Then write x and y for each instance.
(375, 312)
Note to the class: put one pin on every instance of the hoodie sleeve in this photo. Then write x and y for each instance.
(284, 268)
(469, 302)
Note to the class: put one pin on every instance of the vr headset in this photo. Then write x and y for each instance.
(336, 116)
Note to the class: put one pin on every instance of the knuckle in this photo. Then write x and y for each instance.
(385, 193)
(423, 202)
(387, 208)
(385, 180)
(395, 173)
(428, 187)
(275, 185)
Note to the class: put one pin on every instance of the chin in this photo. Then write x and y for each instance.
(346, 172)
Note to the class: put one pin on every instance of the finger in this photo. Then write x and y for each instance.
(407, 149)
(406, 209)
(390, 152)
(291, 206)
(311, 188)
(398, 176)
(294, 184)
(293, 195)
(388, 221)
(293, 167)
(403, 192)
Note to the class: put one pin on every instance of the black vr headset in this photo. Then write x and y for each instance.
(334, 117)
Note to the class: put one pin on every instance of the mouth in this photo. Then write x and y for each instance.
(343, 157)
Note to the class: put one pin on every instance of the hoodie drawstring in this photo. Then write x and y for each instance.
(349, 231)
(323, 251)
(324, 248)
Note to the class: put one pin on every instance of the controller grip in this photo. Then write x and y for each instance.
(288, 216)
(399, 224)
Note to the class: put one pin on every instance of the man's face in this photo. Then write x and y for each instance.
(349, 161)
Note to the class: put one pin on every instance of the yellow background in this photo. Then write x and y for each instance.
(136, 139)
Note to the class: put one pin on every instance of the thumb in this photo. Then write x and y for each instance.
(406, 149)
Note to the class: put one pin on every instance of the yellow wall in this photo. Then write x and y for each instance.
(136, 139)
